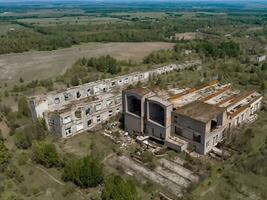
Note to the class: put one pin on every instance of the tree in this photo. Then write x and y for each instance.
(45, 154)
(117, 188)
(264, 67)
(149, 159)
(26, 135)
(23, 107)
(21, 80)
(84, 172)
(22, 140)
(75, 81)
(4, 154)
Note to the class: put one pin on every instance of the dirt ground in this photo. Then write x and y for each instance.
(41, 65)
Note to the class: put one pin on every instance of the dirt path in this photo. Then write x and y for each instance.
(46, 173)
(107, 157)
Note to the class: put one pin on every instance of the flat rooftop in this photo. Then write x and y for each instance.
(140, 91)
(200, 111)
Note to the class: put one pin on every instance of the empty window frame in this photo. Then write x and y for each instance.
(57, 100)
(98, 119)
(87, 111)
(68, 131)
(196, 138)
(108, 102)
(67, 119)
(134, 105)
(157, 113)
(88, 91)
(79, 126)
(78, 94)
(67, 96)
(89, 122)
(98, 107)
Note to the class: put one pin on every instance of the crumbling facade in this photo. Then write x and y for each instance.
(190, 119)
(81, 108)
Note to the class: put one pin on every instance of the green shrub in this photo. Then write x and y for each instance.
(84, 172)
(4, 154)
(149, 159)
(45, 154)
(23, 107)
(22, 140)
(116, 188)
(13, 172)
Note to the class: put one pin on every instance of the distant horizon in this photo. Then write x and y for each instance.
(129, 1)
(139, 4)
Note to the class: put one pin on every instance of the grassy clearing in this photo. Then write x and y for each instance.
(6, 27)
(88, 143)
(156, 15)
(48, 64)
(77, 20)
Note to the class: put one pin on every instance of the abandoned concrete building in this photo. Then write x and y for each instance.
(190, 119)
(81, 108)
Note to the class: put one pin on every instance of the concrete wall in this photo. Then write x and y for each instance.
(66, 123)
(189, 127)
(55, 100)
(134, 123)
(185, 121)
(154, 129)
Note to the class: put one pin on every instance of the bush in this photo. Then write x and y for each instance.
(45, 154)
(149, 159)
(84, 172)
(26, 135)
(104, 64)
(4, 154)
(13, 172)
(23, 108)
(22, 140)
(117, 188)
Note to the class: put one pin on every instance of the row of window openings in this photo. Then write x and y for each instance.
(98, 118)
(78, 94)
(87, 112)
(68, 130)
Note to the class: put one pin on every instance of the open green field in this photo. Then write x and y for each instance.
(140, 14)
(77, 20)
(41, 65)
(5, 27)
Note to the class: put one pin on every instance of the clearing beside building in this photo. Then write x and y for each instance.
(46, 64)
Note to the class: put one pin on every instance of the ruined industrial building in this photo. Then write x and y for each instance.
(77, 109)
(189, 119)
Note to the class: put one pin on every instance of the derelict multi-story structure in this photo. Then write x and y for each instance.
(194, 119)
(81, 108)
